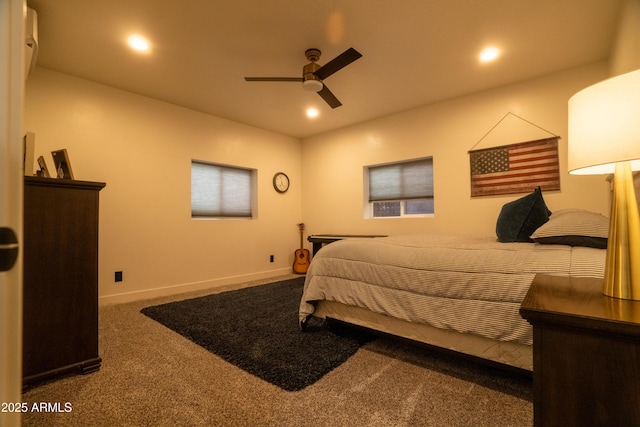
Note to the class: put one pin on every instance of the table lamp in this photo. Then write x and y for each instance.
(604, 138)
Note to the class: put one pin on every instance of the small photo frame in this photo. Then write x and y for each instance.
(29, 146)
(44, 170)
(62, 164)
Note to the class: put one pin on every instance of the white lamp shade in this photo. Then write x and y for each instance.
(604, 125)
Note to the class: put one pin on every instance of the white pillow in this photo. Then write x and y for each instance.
(574, 227)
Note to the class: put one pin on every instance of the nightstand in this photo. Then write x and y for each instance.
(586, 353)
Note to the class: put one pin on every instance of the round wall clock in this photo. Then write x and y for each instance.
(281, 182)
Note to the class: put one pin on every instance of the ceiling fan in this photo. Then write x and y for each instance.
(313, 74)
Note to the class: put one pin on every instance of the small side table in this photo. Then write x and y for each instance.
(319, 240)
(586, 353)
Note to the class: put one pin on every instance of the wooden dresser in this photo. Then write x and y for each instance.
(60, 277)
(586, 354)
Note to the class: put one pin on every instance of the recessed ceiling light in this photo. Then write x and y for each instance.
(138, 43)
(312, 113)
(489, 54)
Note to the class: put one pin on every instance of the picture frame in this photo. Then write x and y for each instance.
(29, 141)
(62, 164)
(44, 170)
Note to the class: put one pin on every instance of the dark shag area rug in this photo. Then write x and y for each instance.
(257, 330)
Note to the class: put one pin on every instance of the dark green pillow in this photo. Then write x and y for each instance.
(520, 218)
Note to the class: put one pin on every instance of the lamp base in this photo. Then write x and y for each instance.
(622, 268)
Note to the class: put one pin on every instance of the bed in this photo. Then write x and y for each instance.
(460, 293)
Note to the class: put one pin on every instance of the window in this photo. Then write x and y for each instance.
(400, 189)
(221, 191)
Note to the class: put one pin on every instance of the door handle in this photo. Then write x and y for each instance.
(8, 248)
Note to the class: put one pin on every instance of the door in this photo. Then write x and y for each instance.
(12, 39)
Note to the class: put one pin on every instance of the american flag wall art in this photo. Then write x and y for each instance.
(515, 168)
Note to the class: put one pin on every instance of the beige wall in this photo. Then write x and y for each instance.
(333, 163)
(143, 149)
(626, 54)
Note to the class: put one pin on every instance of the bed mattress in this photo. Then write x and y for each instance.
(471, 285)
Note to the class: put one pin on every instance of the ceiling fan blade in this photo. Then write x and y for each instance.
(273, 79)
(329, 97)
(337, 63)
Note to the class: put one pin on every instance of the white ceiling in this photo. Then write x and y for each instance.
(415, 52)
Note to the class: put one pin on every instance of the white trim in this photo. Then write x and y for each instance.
(189, 287)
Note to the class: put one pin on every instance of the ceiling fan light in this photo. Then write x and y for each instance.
(312, 85)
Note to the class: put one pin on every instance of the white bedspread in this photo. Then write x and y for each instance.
(467, 284)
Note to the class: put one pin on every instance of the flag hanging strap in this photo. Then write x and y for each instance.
(500, 121)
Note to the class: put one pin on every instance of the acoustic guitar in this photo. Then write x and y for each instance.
(301, 256)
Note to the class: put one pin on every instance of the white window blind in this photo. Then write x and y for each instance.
(401, 181)
(220, 190)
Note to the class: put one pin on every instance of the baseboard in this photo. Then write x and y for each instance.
(189, 287)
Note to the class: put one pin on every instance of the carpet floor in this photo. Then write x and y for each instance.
(152, 376)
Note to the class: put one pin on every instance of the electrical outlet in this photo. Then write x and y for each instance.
(118, 276)
(271, 258)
